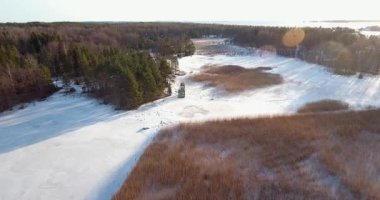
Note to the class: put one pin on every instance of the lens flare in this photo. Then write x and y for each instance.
(293, 37)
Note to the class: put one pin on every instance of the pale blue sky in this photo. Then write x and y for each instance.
(178, 10)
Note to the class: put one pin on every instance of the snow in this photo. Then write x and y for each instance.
(73, 147)
(67, 147)
(370, 33)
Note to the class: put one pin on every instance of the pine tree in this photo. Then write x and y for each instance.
(134, 96)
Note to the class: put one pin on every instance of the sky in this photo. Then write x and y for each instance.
(179, 10)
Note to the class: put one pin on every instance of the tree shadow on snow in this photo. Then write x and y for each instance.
(57, 115)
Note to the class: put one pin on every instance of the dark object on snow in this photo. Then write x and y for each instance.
(22, 106)
(264, 68)
(180, 73)
(143, 129)
(72, 90)
(181, 91)
(360, 76)
(77, 82)
(84, 89)
(69, 90)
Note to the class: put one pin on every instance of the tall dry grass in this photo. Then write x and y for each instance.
(311, 156)
(325, 105)
(235, 78)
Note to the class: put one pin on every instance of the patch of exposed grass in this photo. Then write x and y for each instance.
(312, 156)
(236, 79)
(213, 47)
(324, 106)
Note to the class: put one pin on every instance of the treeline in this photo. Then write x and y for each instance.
(124, 78)
(125, 65)
(344, 50)
(22, 78)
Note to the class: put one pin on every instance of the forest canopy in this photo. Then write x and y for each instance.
(127, 64)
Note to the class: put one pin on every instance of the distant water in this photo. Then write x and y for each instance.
(349, 24)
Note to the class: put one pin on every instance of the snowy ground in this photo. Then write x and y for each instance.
(370, 33)
(72, 147)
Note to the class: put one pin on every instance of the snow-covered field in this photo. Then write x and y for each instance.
(73, 147)
(370, 33)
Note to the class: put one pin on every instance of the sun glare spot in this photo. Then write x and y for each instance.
(293, 37)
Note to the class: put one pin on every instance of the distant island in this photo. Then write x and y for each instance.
(345, 21)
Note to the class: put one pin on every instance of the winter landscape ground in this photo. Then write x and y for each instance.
(73, 147)
(315, 156)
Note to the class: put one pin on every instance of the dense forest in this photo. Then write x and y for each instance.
(344, 50)
(127, 64)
